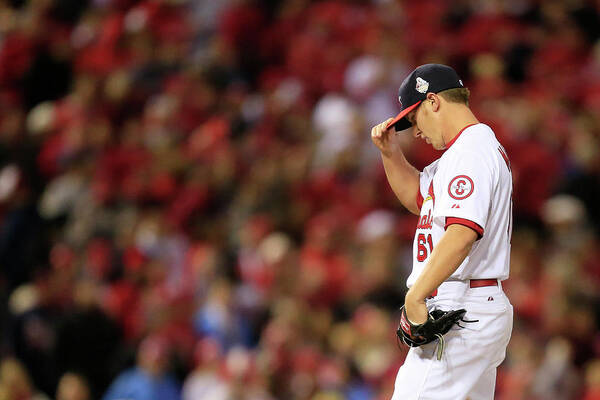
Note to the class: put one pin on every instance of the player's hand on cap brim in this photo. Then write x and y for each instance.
(380, 135)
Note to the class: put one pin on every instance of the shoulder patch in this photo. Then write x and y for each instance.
(460, 187)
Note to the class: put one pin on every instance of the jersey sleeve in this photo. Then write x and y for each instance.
(465, 191)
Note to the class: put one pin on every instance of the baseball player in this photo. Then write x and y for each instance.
(456, 317)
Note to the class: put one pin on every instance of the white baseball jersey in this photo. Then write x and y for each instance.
(470, 184)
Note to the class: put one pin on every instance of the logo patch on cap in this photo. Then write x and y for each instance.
(422, 85)
(400, 101)
(460, 81)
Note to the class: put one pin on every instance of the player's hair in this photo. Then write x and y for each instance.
(456, 95)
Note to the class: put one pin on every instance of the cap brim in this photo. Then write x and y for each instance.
(400, 122)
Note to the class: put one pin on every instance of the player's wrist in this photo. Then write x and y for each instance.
(416, 310)
(413, 298)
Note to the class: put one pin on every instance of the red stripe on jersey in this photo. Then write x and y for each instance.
(419, 199)
(450, 143)
(430, 192)
(465, 222)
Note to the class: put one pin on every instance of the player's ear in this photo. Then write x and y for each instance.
(434, 99)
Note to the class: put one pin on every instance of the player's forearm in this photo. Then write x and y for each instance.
(449, 253)
(403, 178)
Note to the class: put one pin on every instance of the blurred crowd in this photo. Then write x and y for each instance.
(191, 208)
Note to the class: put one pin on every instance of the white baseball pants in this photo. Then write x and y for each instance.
(467, 370)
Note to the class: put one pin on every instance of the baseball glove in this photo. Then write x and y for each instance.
(438, 324)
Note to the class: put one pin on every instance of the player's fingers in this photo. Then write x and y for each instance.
(385, 126)
(386, 123)
(382, 128)
(378, 131)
